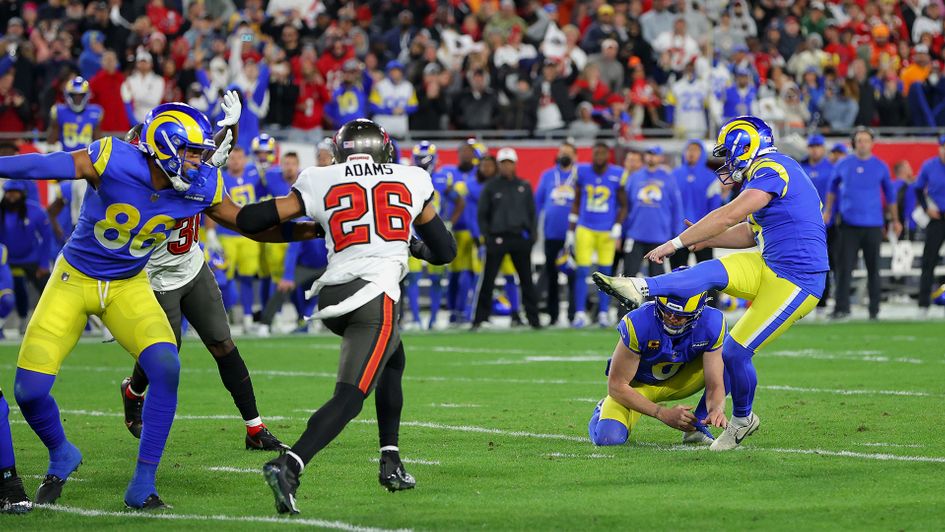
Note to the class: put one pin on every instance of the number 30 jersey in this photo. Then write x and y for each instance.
(179, 259)
(125, 219)
(367, 210)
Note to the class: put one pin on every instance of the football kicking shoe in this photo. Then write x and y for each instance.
(153, 502)
(699, 436)
(58, 473)
(392, 474)
(735, 432)
(13, 498)
(133, 405)
(284, 481)
(263, 440)
(630, 291)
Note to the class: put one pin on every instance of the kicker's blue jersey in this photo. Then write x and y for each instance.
(662, 355)
(243, 190)
(75, 129)
(125, 219)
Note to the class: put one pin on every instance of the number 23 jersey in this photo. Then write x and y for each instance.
(367, 210)
(125, 219)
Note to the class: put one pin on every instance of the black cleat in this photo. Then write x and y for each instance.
(50, 490)
(13, 498)
(132, 409)
(392, 475)
(153, 502)
(264, 441)
(284, 481)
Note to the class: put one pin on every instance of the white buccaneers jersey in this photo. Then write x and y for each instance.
(178, 259)
(366, 210)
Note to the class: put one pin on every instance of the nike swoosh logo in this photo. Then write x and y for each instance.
(738, 441)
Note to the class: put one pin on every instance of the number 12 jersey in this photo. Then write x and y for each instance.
(367, 210)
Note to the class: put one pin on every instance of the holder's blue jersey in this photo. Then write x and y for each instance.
(75, 129)
(790, 228)
(243, 190)
(662, 355)
(125, 219)
(598, 209)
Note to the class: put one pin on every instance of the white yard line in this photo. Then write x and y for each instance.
(42, 477)
(574, 455)
(897, 445)
(411, 461)
(292, 522)
(454, 405)
(228, 469)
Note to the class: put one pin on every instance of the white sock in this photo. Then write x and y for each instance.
(742, 421)
(297, 459)
(255, 422)
(390, 448)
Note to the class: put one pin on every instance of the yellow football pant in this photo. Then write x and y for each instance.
(687, 382)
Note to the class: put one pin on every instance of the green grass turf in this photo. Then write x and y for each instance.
(506, 481)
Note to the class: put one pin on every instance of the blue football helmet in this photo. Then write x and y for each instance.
(77, 94)
(168, 131)
(425, 156)
(689, 309)
(740, 141)
(264, 150)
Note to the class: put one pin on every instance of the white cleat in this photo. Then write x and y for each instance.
(735, 432)
(580, 320)
(603, 321)
(696, 437)
(630, 291)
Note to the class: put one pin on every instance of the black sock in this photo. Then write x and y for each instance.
(328, 421)
(389, 398)
(139, 381)
(236, 379)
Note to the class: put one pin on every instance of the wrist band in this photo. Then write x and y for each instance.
(677, 243)
(572, 218)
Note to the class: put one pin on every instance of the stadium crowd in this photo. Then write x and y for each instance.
(581, 66)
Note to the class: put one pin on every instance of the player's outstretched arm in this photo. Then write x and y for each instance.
(436, 245)
(713, 367)
(714, 224)
(623, 367)
(57, 165)
(736, 237)
(246, 220)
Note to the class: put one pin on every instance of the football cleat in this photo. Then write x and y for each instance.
(698, 436)
(133, 409)
(580, 320)
(603, 321)
(734, 433)
(153, 502)
(13, 498)
(283, 481)
(392, 474)
(630, 291)
(264, 441)
(50, 490)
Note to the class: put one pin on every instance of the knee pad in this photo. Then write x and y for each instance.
(734, 352)
(610, 432)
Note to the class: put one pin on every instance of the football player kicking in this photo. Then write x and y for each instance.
(136, 196)
(367, 206)
(670, 349)
(185, 287)
(778, 210)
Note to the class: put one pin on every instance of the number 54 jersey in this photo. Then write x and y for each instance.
(125, 219)
(367, 210)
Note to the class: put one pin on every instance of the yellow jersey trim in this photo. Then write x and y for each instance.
(103, 156)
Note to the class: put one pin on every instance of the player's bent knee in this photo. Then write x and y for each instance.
(610, 432)
(734, 352)
(349, 399)
(221, 349)
(31, 386)
(161, 363)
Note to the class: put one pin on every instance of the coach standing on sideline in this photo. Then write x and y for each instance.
(555, 197)
(858, 187)
(507, 222)
(930, 193)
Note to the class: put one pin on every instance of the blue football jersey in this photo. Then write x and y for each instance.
(76, 128)
(662, 355)
(243, 190)
(272, 184)
(125, 219)
(465, 183)
(598, 209)
(447, 194)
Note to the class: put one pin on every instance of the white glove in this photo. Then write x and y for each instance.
(231, 109)
(569, 239)
(211, 241)
(616, 231)
(222, 152)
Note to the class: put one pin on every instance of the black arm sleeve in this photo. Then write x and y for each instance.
(920, 198)
(257, 217)
(438, 245)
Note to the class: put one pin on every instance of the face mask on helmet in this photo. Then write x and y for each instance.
(77, 94)
(179, 139)
(424, 156)
(679, 315)
(741, 141)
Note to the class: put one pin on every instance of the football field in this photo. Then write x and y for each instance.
(495, 431)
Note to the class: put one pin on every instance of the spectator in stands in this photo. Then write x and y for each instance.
(700, 191)
(584, 127)
(840, 47)
(689, 96)
(477, 107)
(143, 89)
(814, 21)
(14, 108)
(891, 107)
(742, 19)
(283, 95)
(610, 68)
(930, 194)
(600, 30)
(550, 102)
(740, 98)
(918, 70)
(840, 105)
(393, 100)
(554, 199)
(810, 56)
(26, 232)
(590, 88)
(655, 212)
(515, 54)
(90, 60)
(657, 21)
(433, 105)
(676, 48)
(929, 23)
(859, 186)
(309, 107)
(725, 36)
(504, 20)
(106, 87)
